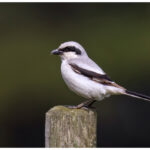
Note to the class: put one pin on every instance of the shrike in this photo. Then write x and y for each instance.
(84, 77)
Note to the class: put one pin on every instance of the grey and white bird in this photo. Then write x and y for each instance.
(84, 77)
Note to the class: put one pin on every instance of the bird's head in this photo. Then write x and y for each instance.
(69, 50)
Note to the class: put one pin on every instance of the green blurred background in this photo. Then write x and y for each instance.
(115, 35)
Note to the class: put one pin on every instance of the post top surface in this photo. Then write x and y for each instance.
(67, 109)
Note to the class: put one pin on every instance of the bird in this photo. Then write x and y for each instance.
(84, 77)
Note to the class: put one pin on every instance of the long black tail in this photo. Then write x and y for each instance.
(137, 95)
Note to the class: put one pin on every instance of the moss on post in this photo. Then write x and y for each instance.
(66, 127)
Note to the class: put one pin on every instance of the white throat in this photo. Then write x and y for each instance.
(68, 55)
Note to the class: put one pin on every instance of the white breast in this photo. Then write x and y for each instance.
(81, 85)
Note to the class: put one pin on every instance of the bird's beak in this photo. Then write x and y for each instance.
(55, 52)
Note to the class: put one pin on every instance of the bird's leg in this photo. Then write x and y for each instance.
(87, 104)
(90, 104)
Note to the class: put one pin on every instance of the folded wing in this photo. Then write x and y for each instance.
(100, 78)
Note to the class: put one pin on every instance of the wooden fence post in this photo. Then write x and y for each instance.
(66, 127)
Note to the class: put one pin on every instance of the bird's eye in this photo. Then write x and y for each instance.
(71, 49)
(67, 49)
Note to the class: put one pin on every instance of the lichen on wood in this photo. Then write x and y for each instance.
(66, 127)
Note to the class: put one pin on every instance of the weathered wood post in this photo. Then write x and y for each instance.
(66, 127)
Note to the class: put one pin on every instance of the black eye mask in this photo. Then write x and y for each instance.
(71, 49)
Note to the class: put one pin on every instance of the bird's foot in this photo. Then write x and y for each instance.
(77, 107)
(71, 106)
(85, 105)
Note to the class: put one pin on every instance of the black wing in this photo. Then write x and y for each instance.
(104, 79)
(100, 78)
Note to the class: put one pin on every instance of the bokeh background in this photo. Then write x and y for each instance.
(115, 35)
